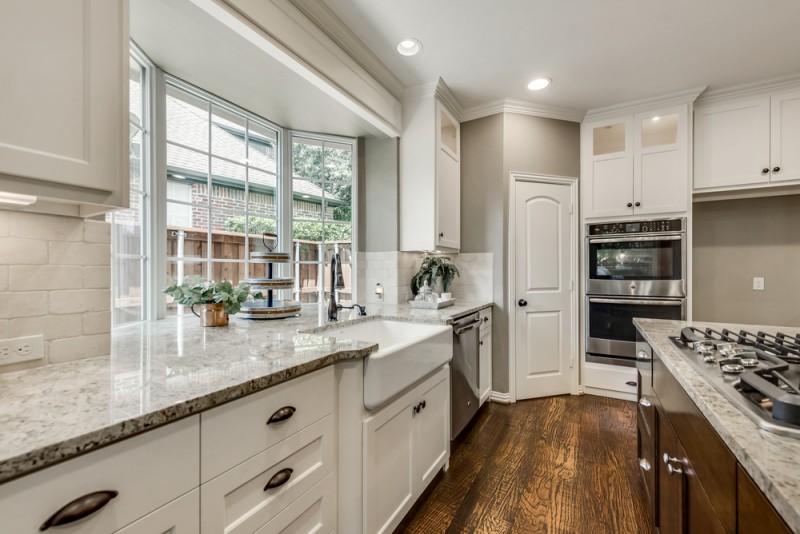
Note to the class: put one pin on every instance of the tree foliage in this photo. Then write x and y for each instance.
(337, 171)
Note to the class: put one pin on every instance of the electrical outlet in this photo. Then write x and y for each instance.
(758, 283)
(21, 349)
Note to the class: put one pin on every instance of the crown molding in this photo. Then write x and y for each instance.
(327, 21)
(439, 90)
(686, 96)
(755, 89)
(522, 107)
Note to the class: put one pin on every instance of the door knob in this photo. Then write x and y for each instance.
(765, 170)
(629, 205)
(637, 204)
(776, 169)
(522, 302)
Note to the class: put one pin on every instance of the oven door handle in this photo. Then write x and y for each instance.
(672, 237)
(637, 301)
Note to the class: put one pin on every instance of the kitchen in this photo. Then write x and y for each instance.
(332, 67)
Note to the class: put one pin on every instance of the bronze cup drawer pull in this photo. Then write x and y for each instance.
(79, 508)
(281, 414)
(279, 479)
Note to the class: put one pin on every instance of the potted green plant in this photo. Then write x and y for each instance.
(216, 300)
(435, 270)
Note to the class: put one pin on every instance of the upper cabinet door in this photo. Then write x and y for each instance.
(661, 165)
(785, 138)
(732, 144)
(63, 99)
(608, 168)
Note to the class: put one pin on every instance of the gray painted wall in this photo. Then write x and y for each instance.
(378, 201)
(493, 147)
(735, 240)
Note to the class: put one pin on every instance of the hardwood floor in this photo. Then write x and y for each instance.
(562, 464)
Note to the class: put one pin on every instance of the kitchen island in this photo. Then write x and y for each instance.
(769, 459)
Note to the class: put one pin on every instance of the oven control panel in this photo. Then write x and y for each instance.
(637, 227)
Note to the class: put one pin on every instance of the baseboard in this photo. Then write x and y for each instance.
(502, 398)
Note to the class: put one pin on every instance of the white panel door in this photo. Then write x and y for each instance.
(543, 267)
(432, 431)
(785, 138)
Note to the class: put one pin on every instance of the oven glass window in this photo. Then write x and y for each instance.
(635, 260)
(615, 321)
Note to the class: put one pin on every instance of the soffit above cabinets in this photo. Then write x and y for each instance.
(185, 40)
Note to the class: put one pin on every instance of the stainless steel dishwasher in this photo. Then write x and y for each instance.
(464, 373)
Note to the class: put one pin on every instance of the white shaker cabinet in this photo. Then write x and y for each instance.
(430, 175)
(746, 143)
(405, 445)
(181, 516)
(485, 356)
(636, 164)
(64, 123)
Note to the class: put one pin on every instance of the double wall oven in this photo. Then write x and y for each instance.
(633, 269)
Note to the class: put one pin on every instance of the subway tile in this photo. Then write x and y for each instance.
(97, 323)
(97, 232)
(45, 227)
(50, 326)
(15, 251)
(79, 301)
(77, 348)
(4, 328)
(96, 277)
(38, 277)
(64, 253)
(23, 304)
(3, 277)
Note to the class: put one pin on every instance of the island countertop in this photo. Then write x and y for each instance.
(162, 371)
(771, 460)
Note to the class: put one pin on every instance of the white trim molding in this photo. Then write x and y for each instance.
(522, 107)
(748, 90)
(687, 96)
(440, 91)
(500, 398)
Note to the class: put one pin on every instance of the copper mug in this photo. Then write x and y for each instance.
(211, 314)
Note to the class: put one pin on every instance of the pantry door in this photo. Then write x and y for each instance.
(545, 267)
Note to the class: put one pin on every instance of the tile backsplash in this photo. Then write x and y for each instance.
(393, 270)
(55, 280)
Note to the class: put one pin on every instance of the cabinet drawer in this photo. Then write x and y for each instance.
(232, 433)
(611, 377)
(181, 516)
(135, 468)
(237, 501)
(313, 512)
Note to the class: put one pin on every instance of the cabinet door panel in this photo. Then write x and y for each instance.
(661, 186)
(388, 470)
(485, 370)
(670, 493)
(432, 432)
(785, 138)
(448, 201)
(77, 134)
(611, 188)
(755, 514)
(181, 516)
(732, 144)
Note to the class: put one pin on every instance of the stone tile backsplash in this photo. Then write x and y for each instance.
(55, 281)
(393, 270)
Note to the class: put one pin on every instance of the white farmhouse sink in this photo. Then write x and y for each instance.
(407, 352)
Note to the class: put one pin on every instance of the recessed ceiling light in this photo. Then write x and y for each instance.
(656, 119)
(539, 83)
(409, 47)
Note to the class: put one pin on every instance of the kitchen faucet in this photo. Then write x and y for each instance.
(333, 306)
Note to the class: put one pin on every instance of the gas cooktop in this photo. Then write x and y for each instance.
(759, 373)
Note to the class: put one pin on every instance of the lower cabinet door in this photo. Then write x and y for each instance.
(388, 469)
(181, 516)
(485, 368)
(431, 430)
(248, 496)
(671, 519)
(315, 512)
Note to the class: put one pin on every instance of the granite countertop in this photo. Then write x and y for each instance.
(770, 460)
(162, 371)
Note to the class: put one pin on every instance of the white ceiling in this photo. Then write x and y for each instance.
(598, 53)
(188, 43)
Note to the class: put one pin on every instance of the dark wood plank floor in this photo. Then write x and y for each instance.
(555, 465)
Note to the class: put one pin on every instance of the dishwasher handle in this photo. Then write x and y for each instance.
(470, 326)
